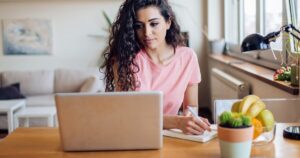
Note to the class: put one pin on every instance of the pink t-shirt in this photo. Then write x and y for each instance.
(172, 79)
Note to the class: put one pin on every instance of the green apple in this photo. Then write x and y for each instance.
(267, 119)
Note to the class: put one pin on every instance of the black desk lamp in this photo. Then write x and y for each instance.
(259, 42)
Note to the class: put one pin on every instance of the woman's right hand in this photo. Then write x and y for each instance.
(190, 125)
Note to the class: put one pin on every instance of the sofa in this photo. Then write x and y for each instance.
(40, 86)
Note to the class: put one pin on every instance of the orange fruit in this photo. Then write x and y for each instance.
(258, 128)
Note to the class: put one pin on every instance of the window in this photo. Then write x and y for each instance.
(298, 13)
(244, 17)
(231, 24)
(297, 24)
(249, 17)
(294, 15)
(273, 20)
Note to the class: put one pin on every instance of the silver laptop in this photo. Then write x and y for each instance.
(110, 121)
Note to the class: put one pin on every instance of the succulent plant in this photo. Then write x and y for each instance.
(225, 117)
(234, 120)
(246, 120)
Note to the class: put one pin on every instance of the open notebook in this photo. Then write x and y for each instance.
(206, 136)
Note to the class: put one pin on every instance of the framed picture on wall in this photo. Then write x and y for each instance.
(27, 37)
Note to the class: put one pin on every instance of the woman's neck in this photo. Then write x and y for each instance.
(162, 55)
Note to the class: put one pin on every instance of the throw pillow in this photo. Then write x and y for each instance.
(90, 85)
(11, 92)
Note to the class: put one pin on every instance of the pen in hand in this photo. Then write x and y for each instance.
(196, 117)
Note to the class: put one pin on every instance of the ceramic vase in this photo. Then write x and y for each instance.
(235, 142)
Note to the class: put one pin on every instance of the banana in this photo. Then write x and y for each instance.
(235, 106)
(256, 108)
(246, 103)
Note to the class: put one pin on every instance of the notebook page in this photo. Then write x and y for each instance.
(206, 136)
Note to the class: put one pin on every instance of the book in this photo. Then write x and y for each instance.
(206, 136)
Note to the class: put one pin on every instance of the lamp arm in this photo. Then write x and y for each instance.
(294, 28)
(289, 28)
(294, 35)
(271, 37)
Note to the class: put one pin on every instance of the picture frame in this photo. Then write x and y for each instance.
(27, 37)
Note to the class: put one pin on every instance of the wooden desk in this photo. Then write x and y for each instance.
(45, 143)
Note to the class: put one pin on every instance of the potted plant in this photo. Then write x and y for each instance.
(235, 133)
(289, 71)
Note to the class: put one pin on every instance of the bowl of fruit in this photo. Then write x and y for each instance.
(263, 121)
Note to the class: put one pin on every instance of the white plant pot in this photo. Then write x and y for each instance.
(235, 142)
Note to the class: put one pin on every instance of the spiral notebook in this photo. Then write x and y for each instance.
(206, 136)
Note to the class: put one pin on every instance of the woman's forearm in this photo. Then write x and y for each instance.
(170, 121)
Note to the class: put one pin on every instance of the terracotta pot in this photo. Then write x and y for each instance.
(235, 142)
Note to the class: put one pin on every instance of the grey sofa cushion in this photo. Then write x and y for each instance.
(40, 101)
(91, 85)
(31, 82)
(67, 80)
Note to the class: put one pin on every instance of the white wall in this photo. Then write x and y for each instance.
(215, 15)
(72, 22)
(189, 17)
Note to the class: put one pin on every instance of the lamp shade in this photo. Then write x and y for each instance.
(255, 42)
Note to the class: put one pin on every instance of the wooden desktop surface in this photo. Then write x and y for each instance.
(45, 143)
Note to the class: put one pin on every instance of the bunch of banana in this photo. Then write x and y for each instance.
(253, 107)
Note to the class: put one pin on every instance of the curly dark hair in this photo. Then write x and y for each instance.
(124, 45)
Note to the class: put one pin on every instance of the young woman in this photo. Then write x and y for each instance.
(146, 52)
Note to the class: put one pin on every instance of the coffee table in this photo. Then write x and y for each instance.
(10, 107)
(36, 112)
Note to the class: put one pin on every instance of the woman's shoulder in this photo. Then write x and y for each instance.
(140, 55)
(185, 52)
(184, 48)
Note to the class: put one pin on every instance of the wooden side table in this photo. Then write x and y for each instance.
(36, 112)
(10, 107)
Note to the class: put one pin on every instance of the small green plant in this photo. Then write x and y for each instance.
(107, 19)
(234, 120)
(283, 74)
